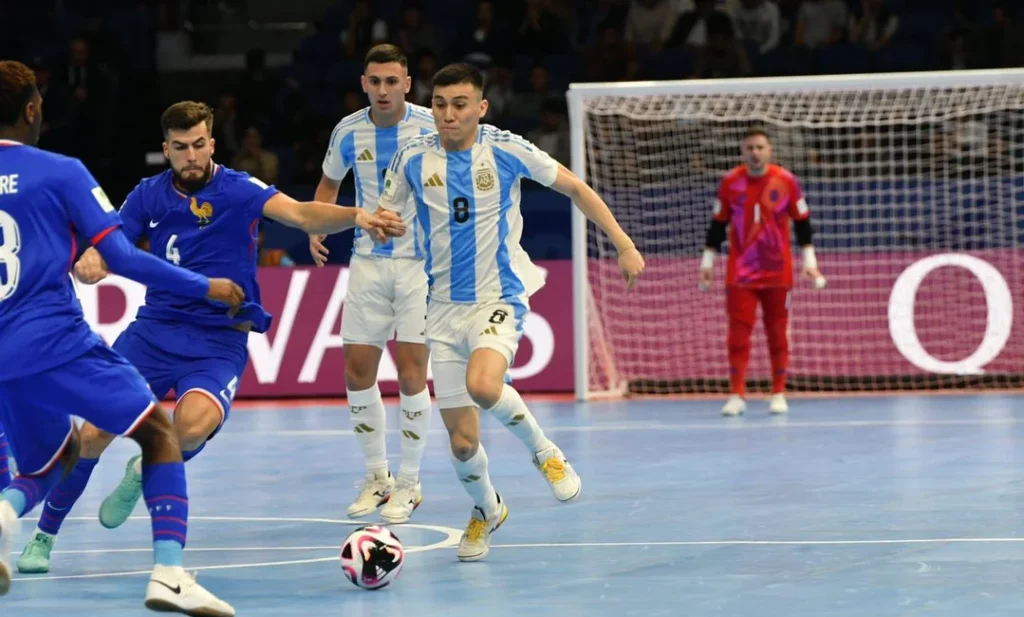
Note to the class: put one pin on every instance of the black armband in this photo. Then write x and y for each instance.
(804, 231)
(716, 235)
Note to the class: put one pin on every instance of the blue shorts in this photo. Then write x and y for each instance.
(187, 358)
(99, 386)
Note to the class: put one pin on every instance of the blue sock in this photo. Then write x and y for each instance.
(64, 496)
(191, 454)
(25, 492)
(5, 468)
(166, 494)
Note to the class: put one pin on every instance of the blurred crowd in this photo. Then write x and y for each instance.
(96, 62)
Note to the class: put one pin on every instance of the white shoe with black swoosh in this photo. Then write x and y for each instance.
(173, 590)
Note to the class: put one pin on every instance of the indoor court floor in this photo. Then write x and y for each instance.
(882, 506)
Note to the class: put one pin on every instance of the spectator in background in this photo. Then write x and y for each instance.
(269, 257)
(649, 24)
(691, 29)
(364, 30)
(414, 36)
(484, 44)
(498, 91)
(759, 22)
(610, 58)
(821, 22)
(530, 103)
(723, 56)
(542, 31)
(1002, 43)
(227, 126)
(873, 25)
(422, 81)
(257, 87)
(254, 160)
(552, 136)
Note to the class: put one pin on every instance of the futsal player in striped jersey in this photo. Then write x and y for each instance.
(387, 287)
(464, 182)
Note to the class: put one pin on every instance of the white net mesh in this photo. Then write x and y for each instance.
(920, 181)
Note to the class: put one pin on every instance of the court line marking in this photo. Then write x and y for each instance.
(452, 537)
(728, 424)
(763, 542)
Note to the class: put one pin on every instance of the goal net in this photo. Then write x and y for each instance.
(915, 187)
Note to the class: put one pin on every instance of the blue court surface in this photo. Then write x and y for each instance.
(874, 506)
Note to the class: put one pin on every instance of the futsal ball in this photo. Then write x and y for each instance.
(372, 557)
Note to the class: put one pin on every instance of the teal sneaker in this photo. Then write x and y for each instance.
(35, 559)
(118, 506)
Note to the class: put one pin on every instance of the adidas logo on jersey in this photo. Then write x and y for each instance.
(366, 155)
(434, 180)
(491, 330)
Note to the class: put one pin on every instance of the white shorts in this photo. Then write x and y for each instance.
(387, 298)
(454, 331)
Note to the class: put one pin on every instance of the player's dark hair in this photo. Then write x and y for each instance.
(757, 131)
(184, 115)
(17, 87)
(383, 53)
(459, 73)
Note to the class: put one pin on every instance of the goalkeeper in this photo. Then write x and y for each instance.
(758, 198)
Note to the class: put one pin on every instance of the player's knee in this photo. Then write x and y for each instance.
(463, 445)
(483, 388)
(195, 419)
(193, 436)
(412, 381)
(93, 441)
(359, 377)
(156, 433)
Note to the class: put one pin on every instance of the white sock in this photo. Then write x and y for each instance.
(477, 482)
(512, 412)
(415, 424)
(368, 423)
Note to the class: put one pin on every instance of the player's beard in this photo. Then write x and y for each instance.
(193, 184)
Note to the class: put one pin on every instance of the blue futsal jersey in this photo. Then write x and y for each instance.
(211, 232)
(44, 199)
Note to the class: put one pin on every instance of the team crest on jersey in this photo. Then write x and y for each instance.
(484, 179)
(202, 212)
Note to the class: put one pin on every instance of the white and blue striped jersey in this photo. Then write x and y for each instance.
(467, 210)
(360, 145)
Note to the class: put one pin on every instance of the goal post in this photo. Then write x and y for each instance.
(915, 183)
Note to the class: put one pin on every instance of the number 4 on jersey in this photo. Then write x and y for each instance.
(172, 253)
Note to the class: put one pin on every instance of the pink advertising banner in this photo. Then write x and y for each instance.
(302, 353)
(881, 314)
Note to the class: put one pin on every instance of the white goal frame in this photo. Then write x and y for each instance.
(578, 92)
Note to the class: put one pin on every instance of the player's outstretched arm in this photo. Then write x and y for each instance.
(130, 262)
(631, 262)
(314, 217)
(326, 192)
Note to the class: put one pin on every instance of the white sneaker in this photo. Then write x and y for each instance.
(734, 406)
(173, 590)
(375, 493)
(407, 496)
(565, 482)
(777, 403)
(9, 525)
(476, 540)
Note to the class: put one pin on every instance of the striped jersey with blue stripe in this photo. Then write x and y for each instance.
(359, 145)
(467, 210)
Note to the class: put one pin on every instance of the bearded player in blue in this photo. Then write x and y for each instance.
(203, 217)
(52, 362)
